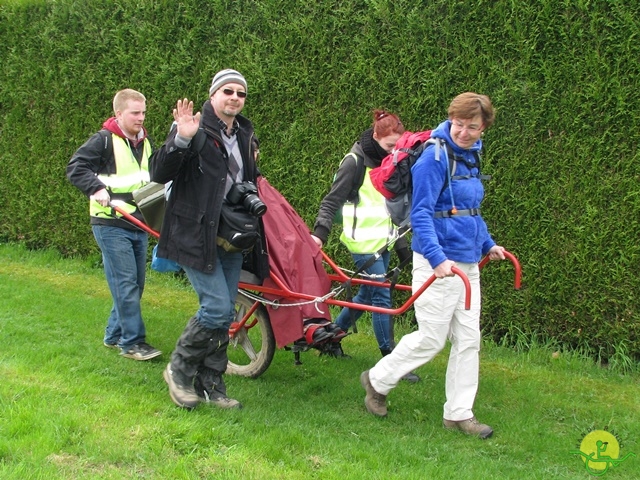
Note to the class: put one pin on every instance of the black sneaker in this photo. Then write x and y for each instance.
(141, 351)
(110, 345)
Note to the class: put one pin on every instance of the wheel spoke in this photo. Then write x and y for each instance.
(240, 313)
(245, 343)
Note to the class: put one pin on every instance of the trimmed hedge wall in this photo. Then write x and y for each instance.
(563, 76)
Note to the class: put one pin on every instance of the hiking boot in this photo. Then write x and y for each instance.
(411, 377)
(182, 394)
(141, 351)
(210, 388)
(220, 400)
(470, 426)
(375, 402)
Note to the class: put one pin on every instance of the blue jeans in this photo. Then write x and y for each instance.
(377, 297)
(217, 290)
(124, 255)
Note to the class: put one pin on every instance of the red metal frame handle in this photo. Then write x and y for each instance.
(516, 265)
(285, 292)
(135, 221)
(467, 286)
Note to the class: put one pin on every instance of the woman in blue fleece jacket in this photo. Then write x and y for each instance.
(448, 231)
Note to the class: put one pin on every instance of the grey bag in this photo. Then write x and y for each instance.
(399, 209)
(151, 201)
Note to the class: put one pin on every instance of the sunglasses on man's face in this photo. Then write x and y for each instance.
(230, 91)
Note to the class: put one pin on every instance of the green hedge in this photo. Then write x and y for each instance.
(563, 76)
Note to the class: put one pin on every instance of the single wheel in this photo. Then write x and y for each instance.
(252, 346)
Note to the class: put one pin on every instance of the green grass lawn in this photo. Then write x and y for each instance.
(73, 409)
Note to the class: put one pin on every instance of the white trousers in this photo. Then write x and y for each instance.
(440, 315)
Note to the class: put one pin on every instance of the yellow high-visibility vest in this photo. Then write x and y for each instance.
(130, 175)
(366, 226)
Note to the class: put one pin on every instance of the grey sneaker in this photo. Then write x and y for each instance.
(110, 345)
(375, 402)
(470, 426)
(141, 351)
(183, 396)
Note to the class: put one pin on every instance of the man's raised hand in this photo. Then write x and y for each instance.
(187, 123)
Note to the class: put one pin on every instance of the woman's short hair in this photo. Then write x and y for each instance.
(469, 104)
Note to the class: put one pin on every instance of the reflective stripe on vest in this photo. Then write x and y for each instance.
(373, 226)
(129, 176)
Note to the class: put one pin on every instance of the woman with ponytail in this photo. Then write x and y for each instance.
(366, 225)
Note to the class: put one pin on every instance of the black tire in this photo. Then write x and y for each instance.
(251, 349)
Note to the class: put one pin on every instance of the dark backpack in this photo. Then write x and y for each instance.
(393, 177)
(107, 143)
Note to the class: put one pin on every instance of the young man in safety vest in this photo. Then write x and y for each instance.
(109, 167)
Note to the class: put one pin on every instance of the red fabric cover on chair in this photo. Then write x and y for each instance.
(295, 259)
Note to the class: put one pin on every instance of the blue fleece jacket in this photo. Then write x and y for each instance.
(460, 238)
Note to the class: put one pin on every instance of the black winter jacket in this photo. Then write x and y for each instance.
(190, 225)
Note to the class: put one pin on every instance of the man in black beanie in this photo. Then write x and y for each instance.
(202, 176)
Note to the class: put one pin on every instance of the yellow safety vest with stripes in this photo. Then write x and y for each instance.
(366, 226)
(130, 175)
